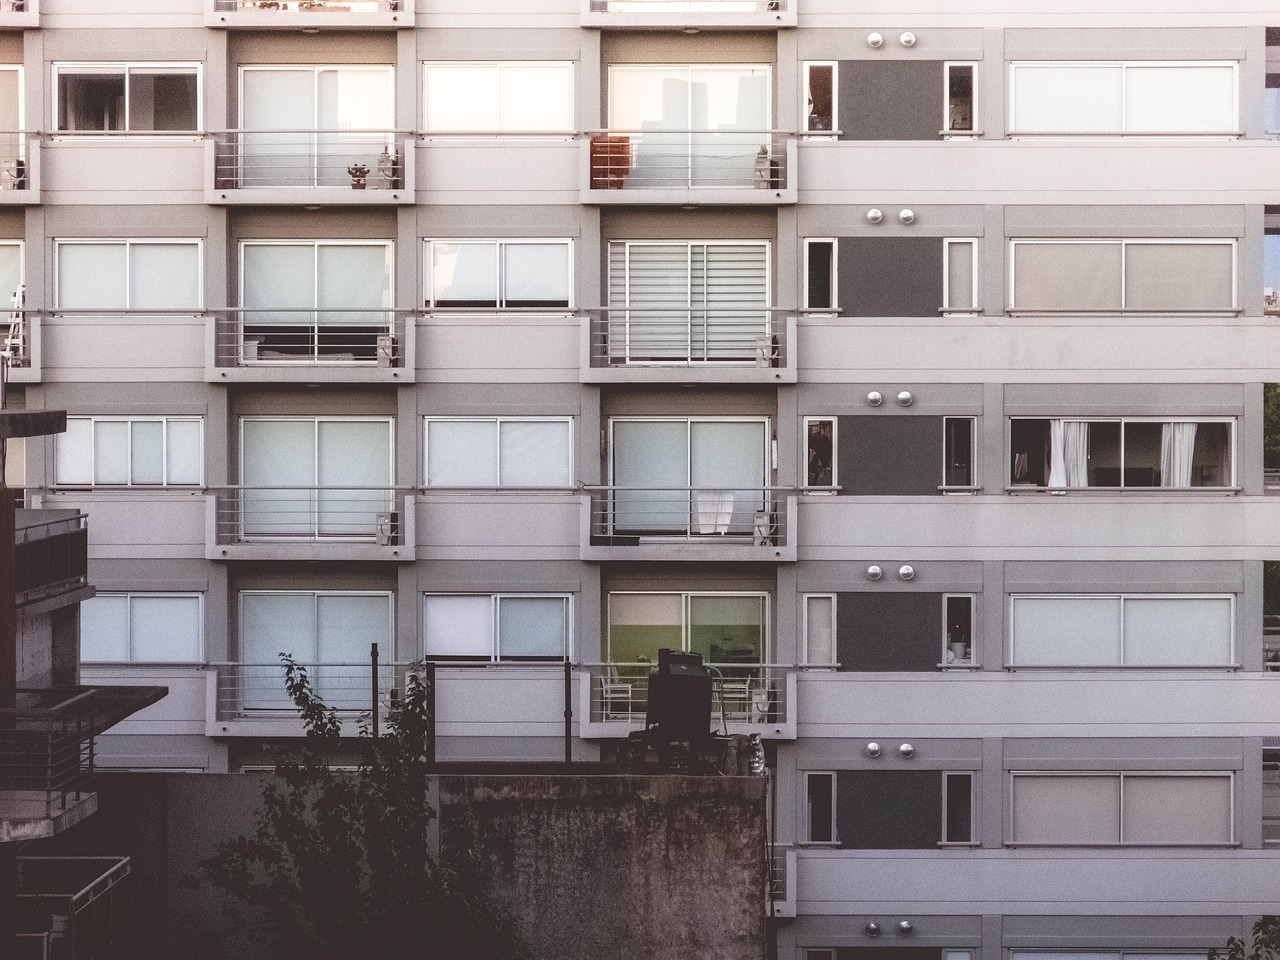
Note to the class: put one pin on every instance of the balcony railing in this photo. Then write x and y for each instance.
(627, 516)
(688, 6)
(15, 337)
(51, 555)
(67, 908)
(691, 159)
(743, 695)
(252, 337)
(273, 7)
(309, 514)
(782, 880)
(689, 336)
(255, 691)
(355, 160)
(16, 159)
(650, 14)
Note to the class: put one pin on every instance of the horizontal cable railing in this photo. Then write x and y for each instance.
(256, 690)
(623, 515)
(251, 336)
(51, 556)
(357, 159)
(674, 159)
(50, 753)
(688, 6)
(741, 693)
(15, 157)
(780, 870)
(308, 6)
(687, 335)
(15, 336)
(253, 514)
(66, 906)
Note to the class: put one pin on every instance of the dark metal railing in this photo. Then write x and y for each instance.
(51, 557)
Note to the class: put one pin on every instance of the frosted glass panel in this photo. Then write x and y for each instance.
(1066, 809)
(185, 448)
(10, 270)
(462, 96)
(1177, 630)
(535, 274)
(820, 630)
(640, 624)
(458, 626)
(75, 451)
(464, 274)
(279, 278)
(1067, 99)
(271, 624)
(534, 454)
(649, 98)
(960, 293)
(164, 276)
(532, 627)
(1178, 99)
(104, 629)
(1177, 809)
(462, 453)
(91, 276)
(535, 97)
(278, 99)
(165, 629)
(649, 455)
(1066, 631)
(1179, 276)
(111, 451)
(726, 468)
(354, 99)
(1067, 276)
(347, 627)
(278, 455)
(353, 284)
(147, 451)
(353, 466)
(10, 108)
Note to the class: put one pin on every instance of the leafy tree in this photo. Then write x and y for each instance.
(1271, 425)
(1266, 943)
(342, 860)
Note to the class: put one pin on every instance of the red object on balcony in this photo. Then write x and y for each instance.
(610, 161)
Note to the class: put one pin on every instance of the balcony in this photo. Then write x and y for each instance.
(745, 699)
(19, 163)
(309, 167)
(309, 523)
(689, 523)
(689, 167)
(249, 699)
(310, 15)
(51, 555)
(310, 346)
(688, 14)
(71, 907)
(782, 880)
(19, 14)
(689, 346)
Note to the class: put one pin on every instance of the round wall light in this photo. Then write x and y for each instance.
(874, 572)
(875, 40)
(875, 215)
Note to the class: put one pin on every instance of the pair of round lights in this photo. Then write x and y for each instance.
(905, 572)
(904, 928)
(905, 216)
(876, 40)
(875, 398)
(906, 750)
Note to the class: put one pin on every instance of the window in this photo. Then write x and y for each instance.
(1122, 630)
(499, 452)
(1122, 453)
(727, 629)
(316, 477)
(12, 285)
(1107, 809)
(819, 629)
(959, 438)
(1271, 261)
(498, 273)
(960, 275)
(960, 115)
(1102, 276)
(496, 627)
(959, 648)
(142, 628)
(313, 299)
(824, 954)
(820, 807)
(820, 291)
(820, 94)
(142, 451)
(1111, 98)
(820, 451)
(499, 97)
(678, 301)
(127, 97)
(128, 274)
(328, 631)
(13, 141)
(958, 809)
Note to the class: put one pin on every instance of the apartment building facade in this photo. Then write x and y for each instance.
(907, 362)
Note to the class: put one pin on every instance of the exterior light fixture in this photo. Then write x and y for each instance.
(874, 215)
(908, 39)
(873, 929)
(874, 572)
(873, 749)
(905, 398)
(906, 571)
(907, 751)
(906, 216)
(905, 928)
(875, 40)
(875, 398)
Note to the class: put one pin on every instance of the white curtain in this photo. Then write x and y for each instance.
(1177, 445)
(1075, 441)
(1057, 461)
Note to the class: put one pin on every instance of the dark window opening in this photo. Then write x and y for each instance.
(821, 93)
(820, 788)
(960, 98)
(958, 438)
(958, 612)
(821, 270)
(958, 827)
(821, 453)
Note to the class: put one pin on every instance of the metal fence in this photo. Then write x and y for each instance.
(684, 159)
(309, 514)
(627, 516)
(51, 557)
(254, 337)
(688, 335)
(741, 694)
(257, 691)
(307, 6)
(357, 159)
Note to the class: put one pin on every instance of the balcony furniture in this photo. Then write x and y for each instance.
(610, 161)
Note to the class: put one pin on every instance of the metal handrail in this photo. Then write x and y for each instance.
(256, 690)
(308, 6)
(249, 336)
(688, 334)
(311, 514)
(622, 159)
(257, 159)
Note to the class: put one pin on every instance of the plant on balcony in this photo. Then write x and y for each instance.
(341, 860)
(1265, 945)
(359, 175)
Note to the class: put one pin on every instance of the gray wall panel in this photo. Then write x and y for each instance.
(888, 631)
(890, 276)
(890, 456)
(891, 100)
(889, 810)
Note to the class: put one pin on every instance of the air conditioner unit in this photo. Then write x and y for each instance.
(386, 350)
(387, 529)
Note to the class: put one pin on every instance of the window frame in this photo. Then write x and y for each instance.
(316, 70)
(689, 245)
(1125, 66)
(495, 653)
(834, 292)
(20, 290)
(834, 486)
(689, 68)
(315, 422)
(570, 91)
(130, 595)
(389, 595)
(804, 631)
(948, 132)
(498, 421)
(972, 486)
(766, 632)
(1233, 653)
(807, 132)
(389, 248)
(767, 464)
(1013, 774)
(104, 67)
(975, 661)
(1124, 242)
(428, 270)
(164, 460)
(974, 807)
(129, 243)
(807, 806)
(948, 308)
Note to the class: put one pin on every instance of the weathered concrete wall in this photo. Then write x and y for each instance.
(624, 868)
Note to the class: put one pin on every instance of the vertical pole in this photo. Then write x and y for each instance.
(8, 700)
(568, 711)
(429, 678)
(373, 685)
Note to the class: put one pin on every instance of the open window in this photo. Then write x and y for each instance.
(959, 648)
(820, 290)
(127, 97)
(960, 114)
(820, 94)
(820, 807)
(959, 438)
(820, 452)
(819, 629)
(1271, 257)
(958, 809)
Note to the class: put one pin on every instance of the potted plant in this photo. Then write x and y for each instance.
(359, 174)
